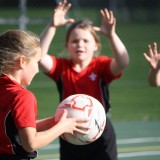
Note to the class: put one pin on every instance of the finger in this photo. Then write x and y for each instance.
(83, 127)
(61, 5)
(102, 13)
(111, 16)
(82, 131)
(64, 3)
(70, 20)
(97, 29)
(61, 113)
(146, 57)
(81, 120)
(106, 13)
(150, 51)
(65, 113)
(67, 7)
(155, 48)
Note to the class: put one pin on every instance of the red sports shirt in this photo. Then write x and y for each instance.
(93, 80)
(18, 109)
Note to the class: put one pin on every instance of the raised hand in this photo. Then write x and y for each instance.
(59, 14)
(108, 23)
(154, 57)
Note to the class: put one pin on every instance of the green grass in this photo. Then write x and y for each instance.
(131, 96)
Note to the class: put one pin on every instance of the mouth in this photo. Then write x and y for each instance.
(79, 52)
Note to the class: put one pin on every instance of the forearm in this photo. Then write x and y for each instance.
(44, 138)
(119, 51)
(45, 124)
(46, 37)
(33, 140)
(154, 78)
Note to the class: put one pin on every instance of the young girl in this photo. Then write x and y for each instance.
(85, 73)
(20, 134)
(153, 60)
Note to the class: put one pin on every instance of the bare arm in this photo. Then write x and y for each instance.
(120, 55)
(154, 61)
(45, 124)
(46, 37)
(32, 140)
(154, 78)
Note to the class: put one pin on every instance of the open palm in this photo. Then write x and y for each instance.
(154, 57)
(108, 23)
(60, 14)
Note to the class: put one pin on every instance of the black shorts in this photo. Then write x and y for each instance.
(11, 157)
(104, 148)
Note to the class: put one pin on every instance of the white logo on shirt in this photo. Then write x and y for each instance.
(92, 76)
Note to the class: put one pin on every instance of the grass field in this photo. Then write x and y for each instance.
(131, 96)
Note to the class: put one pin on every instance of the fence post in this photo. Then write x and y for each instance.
(23, 20)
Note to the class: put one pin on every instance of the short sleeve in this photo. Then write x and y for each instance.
(25, 109)
(103, 64)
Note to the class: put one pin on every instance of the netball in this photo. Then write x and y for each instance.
(84, 106)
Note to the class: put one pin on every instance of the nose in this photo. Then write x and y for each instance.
(80, 43)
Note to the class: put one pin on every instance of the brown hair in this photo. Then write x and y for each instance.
(14, 44)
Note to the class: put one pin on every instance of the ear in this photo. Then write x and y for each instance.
(22, 62)
(96, 47)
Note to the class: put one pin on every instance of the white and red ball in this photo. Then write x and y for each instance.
(84, 106)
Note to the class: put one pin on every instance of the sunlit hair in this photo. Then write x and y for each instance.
(86, 25)
(14, 44)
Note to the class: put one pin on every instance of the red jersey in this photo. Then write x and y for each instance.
(93, 80)
(18, 109)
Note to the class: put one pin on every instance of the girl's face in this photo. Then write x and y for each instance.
(29, 70)
(81, 45)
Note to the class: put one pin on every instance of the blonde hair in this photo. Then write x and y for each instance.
(14, 44)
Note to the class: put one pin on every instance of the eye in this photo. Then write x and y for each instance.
(85, 40)
(75, 41)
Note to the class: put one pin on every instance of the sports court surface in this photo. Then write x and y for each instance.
(135, 140)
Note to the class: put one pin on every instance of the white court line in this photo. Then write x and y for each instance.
(138, 140)
(120, 141)
(52, 159)
(50, 146)
(138, 154)
(123, 141)
(132, 154)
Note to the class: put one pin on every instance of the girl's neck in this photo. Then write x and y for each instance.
(79, 66)
(13, 77)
